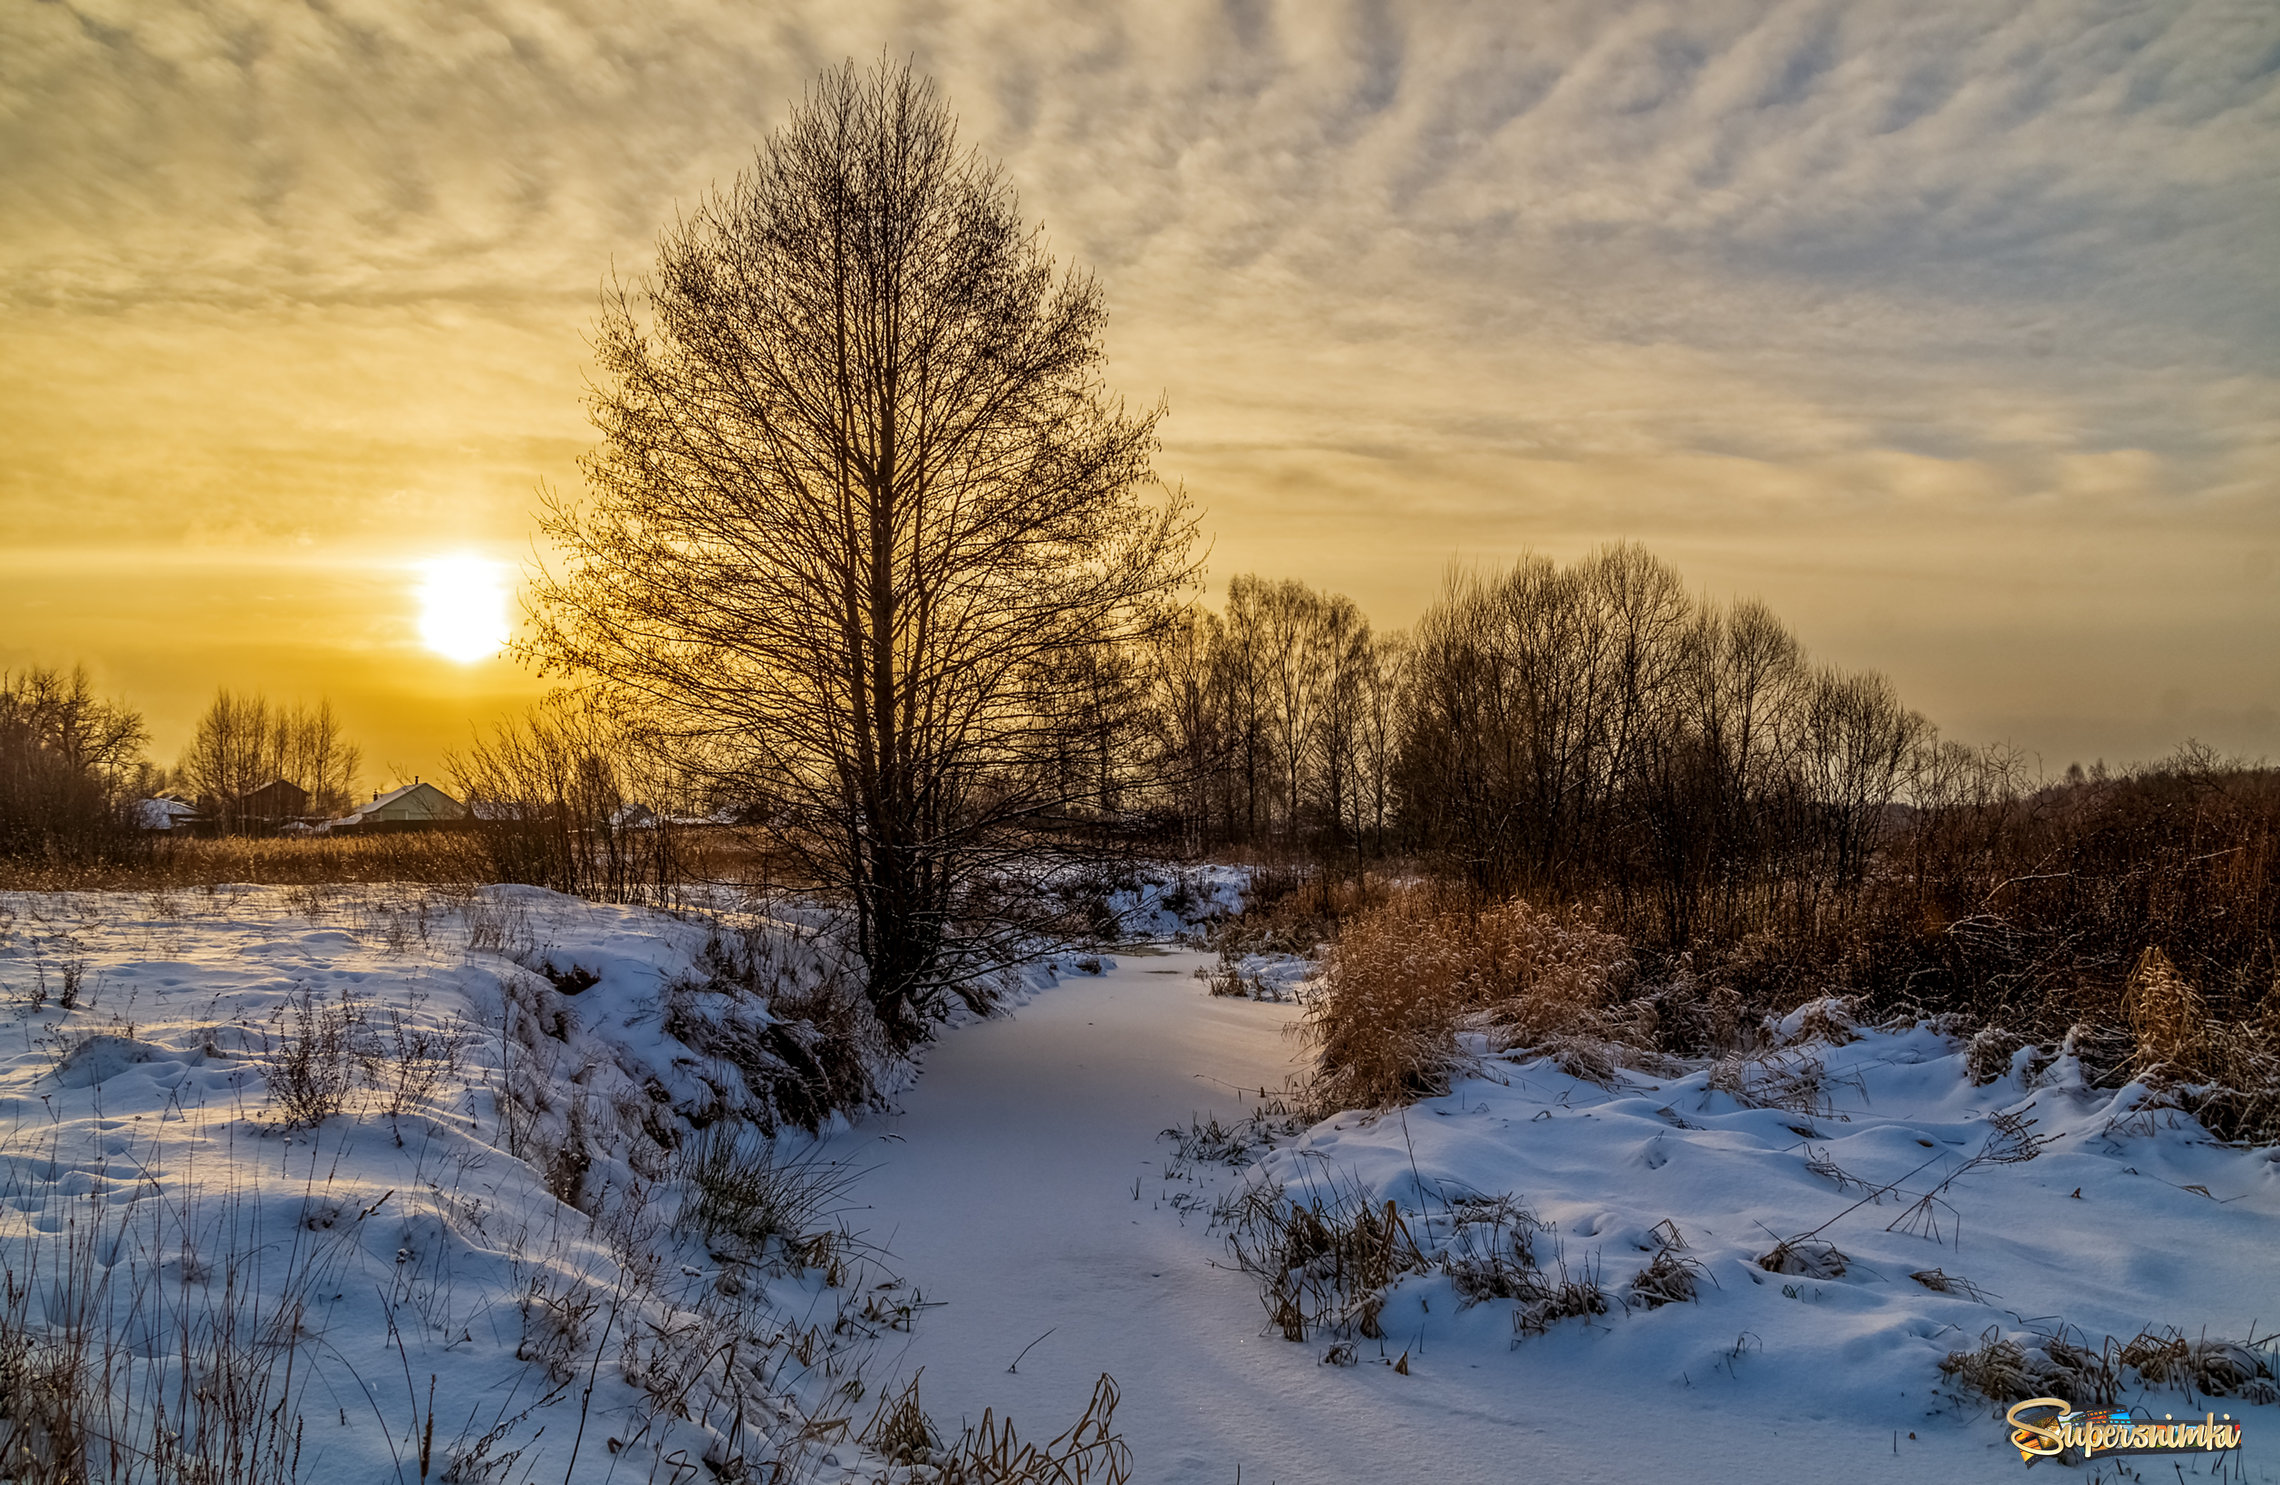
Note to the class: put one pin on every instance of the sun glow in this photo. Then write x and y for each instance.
(463, 608)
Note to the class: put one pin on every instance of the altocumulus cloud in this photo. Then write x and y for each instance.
(1419, 277)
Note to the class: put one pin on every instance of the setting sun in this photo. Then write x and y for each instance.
(463, 608)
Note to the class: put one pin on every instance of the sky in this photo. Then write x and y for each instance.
(1951, 328)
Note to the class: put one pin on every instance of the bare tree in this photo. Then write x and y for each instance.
(67, 761)
(314, 752)
(1241, 677)
(242, 742)
(1380, 732)
(1191, 730)
(860, 495)
(566, 795)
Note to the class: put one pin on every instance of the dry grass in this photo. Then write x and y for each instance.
(454, 858)
(1940, 1281)
(1671, 1278)
(1323, 1260)
(743, 1189)
(1090, 1452)
(2225, 1073)
(1491, 1250)
(1407, 975)
(1295, 909)
(125, 1357)
(1804, 1259)
(1559, 1295)
(1795, 1081)
(2063, 1363)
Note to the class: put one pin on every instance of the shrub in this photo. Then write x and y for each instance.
(310, 1074)
(1405, 976)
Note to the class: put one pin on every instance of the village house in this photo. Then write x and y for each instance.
(273, 804)
(415, 806)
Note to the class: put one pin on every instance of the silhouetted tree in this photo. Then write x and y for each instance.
(67, 764)
(242, 742)
(861, 502)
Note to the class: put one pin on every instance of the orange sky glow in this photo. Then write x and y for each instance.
(1952, 330)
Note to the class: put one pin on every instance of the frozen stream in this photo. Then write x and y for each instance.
(1007, 1195)
(1004, 1190)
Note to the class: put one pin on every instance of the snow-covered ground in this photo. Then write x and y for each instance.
(1036, 1229)
(480, 1255)
(2122, 1220)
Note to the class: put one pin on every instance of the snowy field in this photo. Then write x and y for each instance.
(339, 1150)
(405, 1275)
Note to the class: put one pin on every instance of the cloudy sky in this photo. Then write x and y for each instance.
(1950, 327)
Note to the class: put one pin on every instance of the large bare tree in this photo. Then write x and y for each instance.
(861, 501)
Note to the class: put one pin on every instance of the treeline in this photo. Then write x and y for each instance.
(74, 776)
(566, 794)
(1751, 820)
(1555, 728)
(70, 765)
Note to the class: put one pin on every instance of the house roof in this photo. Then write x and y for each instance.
(411, 802)
(162, 814)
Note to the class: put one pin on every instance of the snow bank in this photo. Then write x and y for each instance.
(1843, 1245)
(477, 1255)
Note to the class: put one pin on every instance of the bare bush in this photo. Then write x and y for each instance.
(312, 1070)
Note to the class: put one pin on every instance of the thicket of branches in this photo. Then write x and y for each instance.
(69, 766)
(569, 796)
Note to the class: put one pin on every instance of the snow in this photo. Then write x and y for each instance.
(1006, 1188)
(1037, 1227)
(146, 1169)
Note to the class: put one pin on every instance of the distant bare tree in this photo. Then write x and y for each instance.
(1242, 678)
(1380, 731)
(1190, 724)
(242, 742)
(67, 761)
(566, 795)
(861, 499)
(314, 752)
(1341, 712)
